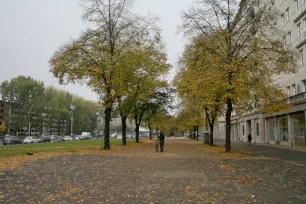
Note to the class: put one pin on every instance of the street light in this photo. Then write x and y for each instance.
(98, 114)
(72, 107)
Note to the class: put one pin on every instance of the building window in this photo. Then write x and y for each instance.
(283, 19)
(285, 40)
(299, 30)
(287, 14)
(283, 129)
(301, 53)
(288, 91)
(299, 130)
(243, 130)
(289, 38)
(271, 129)
(257, 129)
(293, 89)
(304, 82)
(296, 2)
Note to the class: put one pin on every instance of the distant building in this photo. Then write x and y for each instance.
(19, 122)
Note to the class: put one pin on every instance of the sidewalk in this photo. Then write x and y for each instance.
(276, 151)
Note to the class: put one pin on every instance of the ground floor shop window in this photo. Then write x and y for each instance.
(299, 130)
(236, 131)
(271, 129)
(283, 129)
(257, 129)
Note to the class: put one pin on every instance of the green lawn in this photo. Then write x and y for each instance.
(71, 146)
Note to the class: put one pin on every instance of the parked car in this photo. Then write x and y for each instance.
(12, 139)
(86, 135)
(55, 138)
(76, 137)
(119, 137)
(30, 140)
(114, 135)
(130, 137)
(67, 138)
(45, 138)
(9, 134)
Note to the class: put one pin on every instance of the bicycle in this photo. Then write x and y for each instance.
(156, 145)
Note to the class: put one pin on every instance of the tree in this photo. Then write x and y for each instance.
(143, 63)
(95, 56)
(160, 97)
(24, 94)
(196, 83)
(2, 127)
(249, 51)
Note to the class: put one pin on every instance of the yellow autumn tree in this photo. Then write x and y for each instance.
(245, 44)
(95, 57)
(2, 127)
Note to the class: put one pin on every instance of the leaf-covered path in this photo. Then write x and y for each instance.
(184, 173)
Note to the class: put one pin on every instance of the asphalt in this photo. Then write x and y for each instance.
(279, 152)
(184, 173)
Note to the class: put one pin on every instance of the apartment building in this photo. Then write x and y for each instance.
(17, 121)
(284, 128)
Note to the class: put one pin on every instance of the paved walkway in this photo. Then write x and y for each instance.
(287, 154)
(181, 174)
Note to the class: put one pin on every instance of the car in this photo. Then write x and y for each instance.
(9, 134)
(119, 137)
(30, 140)
(55, 138)
(12, 139)
(86, 135)
(76, 137)
(67, 138)
(130, 137)
(45, 138)
(114, 135)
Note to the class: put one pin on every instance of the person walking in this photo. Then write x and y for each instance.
(249, 139)
(161, 139)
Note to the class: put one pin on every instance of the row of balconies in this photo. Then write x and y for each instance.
(299, 98)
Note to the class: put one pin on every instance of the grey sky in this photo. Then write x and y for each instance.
(31, 30)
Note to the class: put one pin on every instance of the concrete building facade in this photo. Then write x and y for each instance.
(283, 128)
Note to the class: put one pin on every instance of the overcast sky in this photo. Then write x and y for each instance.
(31, 30)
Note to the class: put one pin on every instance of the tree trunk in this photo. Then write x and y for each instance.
(194, 132)
(211, 139)
(107, 118)
(197, 132)
(228, 125)
(150, 132)
(123, 129)
(137, 132)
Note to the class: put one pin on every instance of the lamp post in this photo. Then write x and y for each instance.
(98, 114)
(72, 107)
(43, 128)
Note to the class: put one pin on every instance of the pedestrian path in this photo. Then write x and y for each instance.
(287, 154)
(137, 174)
